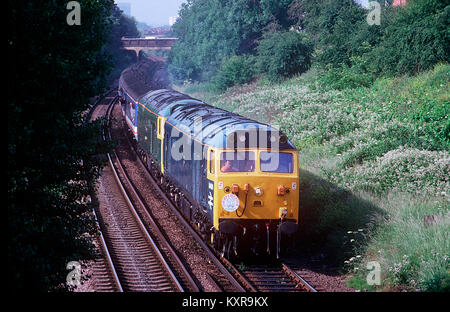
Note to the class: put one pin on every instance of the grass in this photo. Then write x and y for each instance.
(410, 254)
(374, 162)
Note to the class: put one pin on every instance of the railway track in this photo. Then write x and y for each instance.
(275, 278)
(133, 259)
(217, 274)
(102, 269)
(254, 279)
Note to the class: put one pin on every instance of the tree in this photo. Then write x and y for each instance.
(415, 39)
(211, 31)
(283, 54)
(54, 70)
(122, 26)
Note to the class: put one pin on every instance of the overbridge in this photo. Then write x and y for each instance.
(139, 44)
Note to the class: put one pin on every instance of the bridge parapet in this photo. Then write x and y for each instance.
(149, 43)
(139, 44)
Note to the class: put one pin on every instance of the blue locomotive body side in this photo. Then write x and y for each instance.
(130, 110)
(189, 172)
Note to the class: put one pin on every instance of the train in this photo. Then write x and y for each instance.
(232, 177)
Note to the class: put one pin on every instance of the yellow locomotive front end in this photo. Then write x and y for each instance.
(256, 198)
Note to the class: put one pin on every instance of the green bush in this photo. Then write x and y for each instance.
(283, 54)
(343, 77)
(360, 73)
(343, 29)
(415, 39)
(236, 70)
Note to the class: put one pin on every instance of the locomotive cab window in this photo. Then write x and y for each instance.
(277, 162)
(237, 162)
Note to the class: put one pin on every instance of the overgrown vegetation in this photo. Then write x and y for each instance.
(284, 36)
(283, 54)
(236, 70)
(212, 31)
(371, 169)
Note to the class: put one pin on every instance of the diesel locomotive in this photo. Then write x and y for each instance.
(234, 178)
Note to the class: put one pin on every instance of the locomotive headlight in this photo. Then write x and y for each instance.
(258, 191)
(242, 138)
(283, 139)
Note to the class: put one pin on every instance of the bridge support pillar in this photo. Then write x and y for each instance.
(136, 50)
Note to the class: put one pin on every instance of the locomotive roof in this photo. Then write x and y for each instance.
(161, 101)
(203, 122)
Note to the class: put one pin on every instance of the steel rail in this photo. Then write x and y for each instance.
(155, 227)
(133, 210)
(301, 282)
(108, 256)
(109, 261)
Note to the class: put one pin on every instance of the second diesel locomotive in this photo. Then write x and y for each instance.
(233, 177)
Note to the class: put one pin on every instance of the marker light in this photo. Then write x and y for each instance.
(258, 191)
(281, 190)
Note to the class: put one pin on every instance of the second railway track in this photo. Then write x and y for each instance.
(133, 255)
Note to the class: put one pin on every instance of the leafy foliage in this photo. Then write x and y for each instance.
(55, 70)
(236, 70)
(415, 39)
(409, 39)
(211, 31)
(343, 77)
(283, 54)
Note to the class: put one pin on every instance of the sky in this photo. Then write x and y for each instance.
(157, 12)
(153, 12)
(363, 3)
